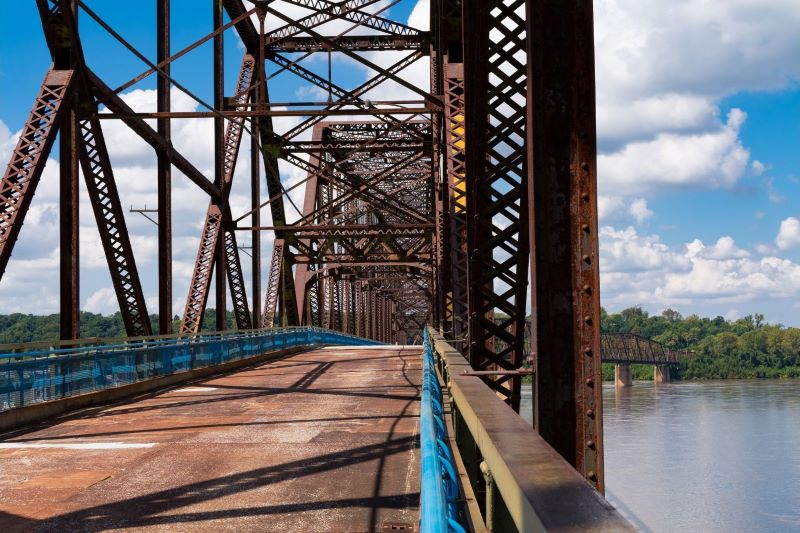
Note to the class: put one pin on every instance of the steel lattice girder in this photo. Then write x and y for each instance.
(111, 226)
(29, 157)
(212, 228)
(497, 187)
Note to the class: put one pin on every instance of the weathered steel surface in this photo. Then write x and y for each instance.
(539, 489)
(563, 180)
(495, 81)
(319, 441)
(108, 214)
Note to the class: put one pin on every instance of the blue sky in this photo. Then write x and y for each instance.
(699, 165)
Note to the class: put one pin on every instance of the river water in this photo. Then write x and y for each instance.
(715, 456)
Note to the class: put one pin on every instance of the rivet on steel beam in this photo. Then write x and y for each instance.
(587, 289)
(590, 413)
(587, 319)
(585, 166)
(588, 352)
(590, 444)
(587, 259)
(589, 382)
(585, 228)
(585, 197)
(591, 475)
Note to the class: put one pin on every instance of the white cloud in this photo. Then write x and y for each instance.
(640, 211)
(103, 301)
(709, 160)
(662, 69)
(788, 234)
(640, 269)
(724, 248)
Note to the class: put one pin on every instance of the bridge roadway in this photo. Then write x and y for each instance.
(318, 441)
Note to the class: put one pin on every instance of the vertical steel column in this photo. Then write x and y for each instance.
(219, 161)
(455, 184)
(164, 173)
(69, 221)
(562, 147)
(255, 201)
(69, 202)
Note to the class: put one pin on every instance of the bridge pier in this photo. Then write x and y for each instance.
(661, 374)
(623, 376)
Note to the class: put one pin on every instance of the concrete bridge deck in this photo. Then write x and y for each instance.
(318, 441)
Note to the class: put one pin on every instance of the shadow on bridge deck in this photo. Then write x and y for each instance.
(319, 441)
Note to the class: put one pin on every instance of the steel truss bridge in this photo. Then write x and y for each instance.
(464, 204)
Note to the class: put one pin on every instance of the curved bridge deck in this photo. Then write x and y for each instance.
(324, 440)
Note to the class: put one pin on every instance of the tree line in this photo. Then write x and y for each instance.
(17, 327)
(723, 349)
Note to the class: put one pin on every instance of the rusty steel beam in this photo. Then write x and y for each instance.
(220, 156)
(562, 146)
(69, 227)
(273, 284)
(108, 213)
(164, 171)
(496, 188)
(241, 310)
(29, 157)
(210, 242)
(255, 217)
(352, 43)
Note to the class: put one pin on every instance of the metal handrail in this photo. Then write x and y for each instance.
(528, 486)
(40, 376)
(64, 347)
(439, 485)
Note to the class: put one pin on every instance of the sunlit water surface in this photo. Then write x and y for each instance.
(715, 456)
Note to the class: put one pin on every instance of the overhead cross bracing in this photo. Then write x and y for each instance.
(396, 176)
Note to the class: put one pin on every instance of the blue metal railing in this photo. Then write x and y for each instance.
(439, 492)
(43, 375)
